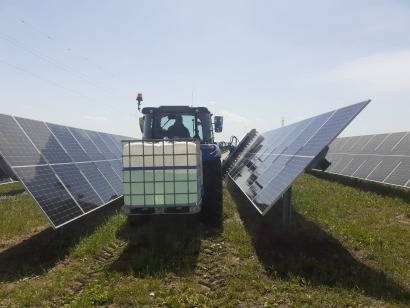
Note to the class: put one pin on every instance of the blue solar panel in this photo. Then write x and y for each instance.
(79, 188)
(275, 159)
(113, 146)
(44, 141)
(109, 173)
(86, 143)
(116, 165)
(401, 174)
(101, 145)
(383, 158)
(70, 144)
(50, 193)
(98, 181)
(68, 171)
(16, 146)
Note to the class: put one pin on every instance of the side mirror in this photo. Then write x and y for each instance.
(141, 122)
(218, 123)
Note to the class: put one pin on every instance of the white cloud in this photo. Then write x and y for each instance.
(95, 118)
(379, 72)
(233, 117)
(212, 103)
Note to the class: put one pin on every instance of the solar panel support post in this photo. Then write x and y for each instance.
(287, 208)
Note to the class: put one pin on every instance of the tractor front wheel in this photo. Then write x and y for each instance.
(211, 210)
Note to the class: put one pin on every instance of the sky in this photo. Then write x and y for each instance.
(82, 63)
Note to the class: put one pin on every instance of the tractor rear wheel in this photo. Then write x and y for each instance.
(211, 210)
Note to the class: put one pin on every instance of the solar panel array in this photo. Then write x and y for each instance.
(68, 171)
(383, 158)
(272, 162)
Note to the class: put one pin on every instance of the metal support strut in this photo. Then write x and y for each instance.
(287, 208)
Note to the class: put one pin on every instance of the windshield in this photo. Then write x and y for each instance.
(173, 125)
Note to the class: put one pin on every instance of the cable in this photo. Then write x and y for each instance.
(62, 66)
(61, 86)
(67, 48)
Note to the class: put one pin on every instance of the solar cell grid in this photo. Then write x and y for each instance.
(309, 138)
(15, 146)
(351, 142)
(50, 193)
(371, 146)
(78, 186)
(109, 173)
(44, 140)
(353, 165)
(56, 166)
(403, 146)
(342, 163)
(100, 144)
(329, 131)
(86, 143)
(116, 165)
(400, 175)
(367, 167)
(70, 144)
(363, 140)
(112, 145)
(98, 181)
(266, 170)
(378, 158)
(386, 146)
(382, 171)
(338, 144)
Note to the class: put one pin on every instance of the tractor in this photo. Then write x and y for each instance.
(176, 167)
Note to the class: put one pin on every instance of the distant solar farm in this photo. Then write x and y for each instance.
(70, 172)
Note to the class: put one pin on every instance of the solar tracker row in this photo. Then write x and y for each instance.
(274, 159)
(383, 158)
(68, 171)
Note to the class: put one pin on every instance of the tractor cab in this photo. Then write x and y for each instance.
(179, 122)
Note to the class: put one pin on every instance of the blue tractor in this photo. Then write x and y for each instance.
(176, 167)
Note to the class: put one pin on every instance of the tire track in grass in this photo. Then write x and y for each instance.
(98, 263)
(209, 272)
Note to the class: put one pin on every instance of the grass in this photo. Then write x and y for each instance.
(19, 215)
(347, 247)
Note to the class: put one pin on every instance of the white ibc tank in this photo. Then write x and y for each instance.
(149, 154)
(162, 173)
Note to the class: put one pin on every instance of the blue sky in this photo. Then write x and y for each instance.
(81, 63)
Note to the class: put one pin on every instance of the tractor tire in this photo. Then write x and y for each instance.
(211, 210)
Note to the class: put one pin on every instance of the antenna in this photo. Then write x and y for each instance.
(192, 102)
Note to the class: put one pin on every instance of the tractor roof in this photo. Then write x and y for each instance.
(175, 109)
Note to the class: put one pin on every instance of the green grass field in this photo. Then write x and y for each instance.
(347, 248)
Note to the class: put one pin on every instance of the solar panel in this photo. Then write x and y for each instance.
(68, 171)
(382, 158)
(70, 144)
(16, 147)
(86, 143)
(274, 159)
(50, 193)
(101, 185)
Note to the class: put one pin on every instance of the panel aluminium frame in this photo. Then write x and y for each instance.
(56, 171)
(269, 167)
